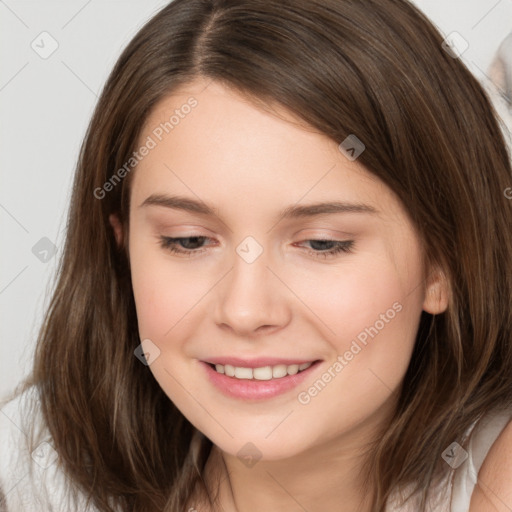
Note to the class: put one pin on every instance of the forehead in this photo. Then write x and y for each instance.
(211, 142)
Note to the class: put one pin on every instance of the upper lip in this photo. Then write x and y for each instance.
(258, 362)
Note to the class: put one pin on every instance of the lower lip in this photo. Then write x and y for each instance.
(252, 389)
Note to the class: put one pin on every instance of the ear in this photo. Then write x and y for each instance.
(117, 227)
(436, 293)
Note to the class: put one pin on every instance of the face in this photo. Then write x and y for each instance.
(315, 310)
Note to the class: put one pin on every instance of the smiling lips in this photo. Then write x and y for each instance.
(262, 368)
(257, 379)
(261, 373)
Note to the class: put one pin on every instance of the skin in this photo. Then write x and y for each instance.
(250, 163)
(493, 490)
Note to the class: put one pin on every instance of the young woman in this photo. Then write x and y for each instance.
(286, 283)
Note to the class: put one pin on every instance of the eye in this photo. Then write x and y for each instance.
(335, 247)
(190, 245)
(173, 244)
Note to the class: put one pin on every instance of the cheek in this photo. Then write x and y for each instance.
(360, 296)
(371, 314)
(360, 378)
(164, 293)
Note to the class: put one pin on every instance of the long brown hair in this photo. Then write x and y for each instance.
(374, 68)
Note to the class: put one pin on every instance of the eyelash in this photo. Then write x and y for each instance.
(171, 244)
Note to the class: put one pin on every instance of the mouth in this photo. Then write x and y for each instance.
(258, 379)
(267, 372)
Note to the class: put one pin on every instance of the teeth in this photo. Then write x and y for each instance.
(293, 369)
(263, 373)
(243, 373)
(279, 371)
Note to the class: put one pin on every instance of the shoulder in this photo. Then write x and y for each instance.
(493, 489)
(18, 417)
(30, 475)
(14, 455)
(25, 453)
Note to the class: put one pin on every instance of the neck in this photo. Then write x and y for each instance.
(326, 477)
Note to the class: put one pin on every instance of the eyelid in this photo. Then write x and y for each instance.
(181, 230)
(171, 244)
(341, 236)
(312, 233)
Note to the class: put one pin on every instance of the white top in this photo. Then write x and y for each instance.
(453, 493)
(32, 481)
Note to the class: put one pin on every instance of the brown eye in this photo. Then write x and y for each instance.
(183, 245)
(334, 247)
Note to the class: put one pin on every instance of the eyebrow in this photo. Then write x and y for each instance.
(290, 212)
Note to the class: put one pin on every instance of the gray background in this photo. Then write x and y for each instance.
(45, 105)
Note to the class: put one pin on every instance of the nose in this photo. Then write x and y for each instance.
(251, 300)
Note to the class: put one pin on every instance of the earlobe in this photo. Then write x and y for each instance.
(436, 293)
(117, 227)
